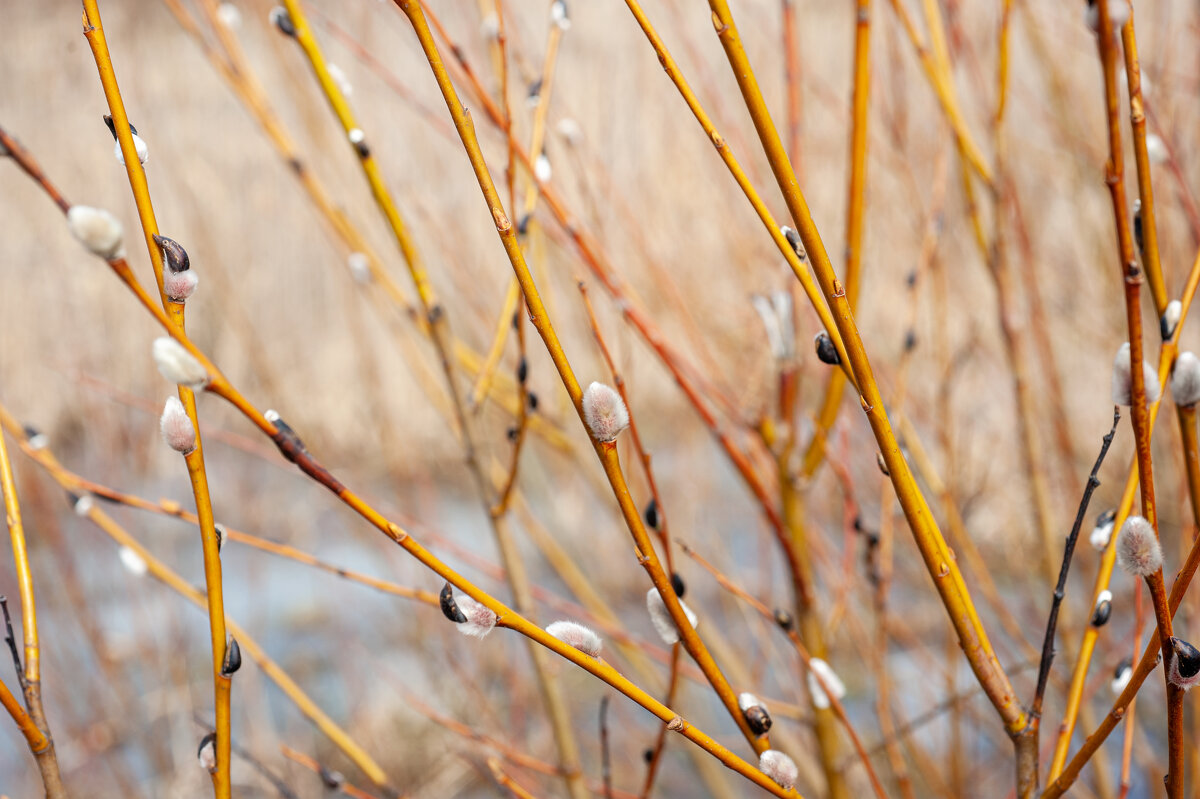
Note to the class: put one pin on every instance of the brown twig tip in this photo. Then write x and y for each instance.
(1103, 530)
(605, 412)
(779, 767)
(207, 753)
(1122, 378)
(1170, 319)
(279, 17)
(660, 617)
(1184, 671)
(1102, 609)
(97, 230)
(1118, 13)
(1138, 550)
(826, 352)
(177, 364)
(176, 427)
(1185, 379)
(139, 145)
(755, 712)
(573, 634)
(821, 676)
(233, 658)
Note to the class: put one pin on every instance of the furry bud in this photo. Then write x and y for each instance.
(660, 617)
(1121, 676)
(83, 504)
(1118, 14)
(1185, 664)
(541, 168)
(1103, 609)
(360, 267)
(1138, 550)
(339, 77)
(755, 712)
(576, 635)
(1156, 148)
(1102, 532)
(1122, 378)
(96, 229)
(228, 15)
(176, 427)
(779, 767)
(1185, 379)
(570, 130)
(1170, 319)
(207, 753)
(134, 563)
(177, 364)
(828, 679)
(605, 412)
(559, 16)
(479, 620)
(222, 534)
(331, 778)
(139, 146)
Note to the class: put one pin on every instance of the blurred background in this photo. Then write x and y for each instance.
(284, 313)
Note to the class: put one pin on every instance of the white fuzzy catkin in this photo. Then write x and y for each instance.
(541, 168)
(779, 767)
(339, 77)
(570, 130)
(1138, 550)
(1170, 317)
(177, 364)
(819, 668)
(132, 561)
(480, 620)
(1121, 680)
(360, 267)
(228, 15)
(605, 412)
(139, 146)
(176, 427)
(1122, 378)
(84, 505)
(1118, 13)
(660, 617)
(96, 229)
(1185, 379)
(748, 700)
(558, 15)
(1156, 149)
(178, 286)
(576, 635)
(1102, 534)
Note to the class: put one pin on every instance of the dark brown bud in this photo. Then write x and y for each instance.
(280, 18)
(826, 352)
(677, 584)
(1187, 658)
(449, 606)
(332, 779)
(233, 658)
(784, 619)
(1102, 610)
(650, 514)
(176, 257)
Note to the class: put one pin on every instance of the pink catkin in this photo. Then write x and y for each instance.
(1138, 550)
(576, 635)
(176, 427)
(605, 412)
